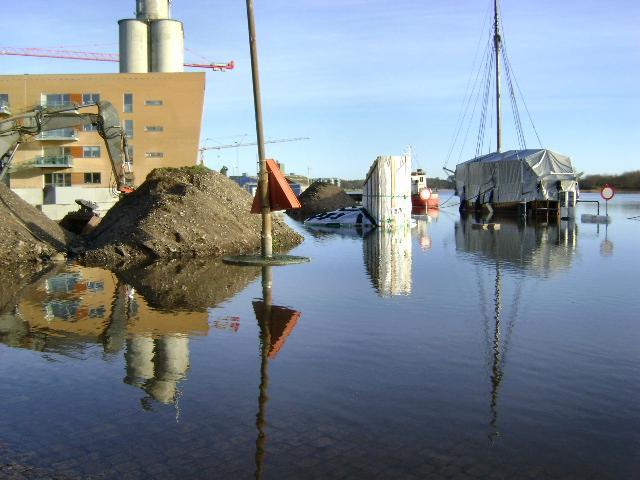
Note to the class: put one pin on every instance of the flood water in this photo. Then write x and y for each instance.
(436, 352)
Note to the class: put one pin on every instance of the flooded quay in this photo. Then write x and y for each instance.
(439, 352)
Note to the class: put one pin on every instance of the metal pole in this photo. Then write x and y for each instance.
(263, 176)
(496, 41)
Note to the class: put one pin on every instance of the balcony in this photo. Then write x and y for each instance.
(59, 161)
(59, 135)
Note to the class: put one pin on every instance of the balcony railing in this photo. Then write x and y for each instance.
(61, 134)
(60, 161)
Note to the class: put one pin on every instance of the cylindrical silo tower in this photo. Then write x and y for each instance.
(167, 46)
(134, 46)
(152, 9)
(152, 42)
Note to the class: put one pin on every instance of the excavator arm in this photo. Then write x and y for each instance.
(21, 128)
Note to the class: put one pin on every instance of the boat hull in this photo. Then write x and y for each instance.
(432, 202)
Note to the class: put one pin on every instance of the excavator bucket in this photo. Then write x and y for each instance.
(281, 197)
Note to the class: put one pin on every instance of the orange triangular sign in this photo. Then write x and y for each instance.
(281, 197)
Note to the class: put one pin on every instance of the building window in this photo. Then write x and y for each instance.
(4, 102)
(56, 100)
(92, 177)
(90, 97)
(130, 153)
(153, 103)
(90, 128)
(128, 128)
(57, 179)
(128, 102)
(91, 152)
(153, 128)
(154, 154)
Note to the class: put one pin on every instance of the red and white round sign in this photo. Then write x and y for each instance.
(607, 192)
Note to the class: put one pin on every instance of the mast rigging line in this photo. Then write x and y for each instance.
(495, 50)
(466, 99)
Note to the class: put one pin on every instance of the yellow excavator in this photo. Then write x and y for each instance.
(19, 129)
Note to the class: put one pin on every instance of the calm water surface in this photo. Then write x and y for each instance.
(437, 352)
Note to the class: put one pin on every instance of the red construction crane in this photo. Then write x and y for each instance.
(235, 145)
(96, 57)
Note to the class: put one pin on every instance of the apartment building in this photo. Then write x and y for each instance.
(161, 113)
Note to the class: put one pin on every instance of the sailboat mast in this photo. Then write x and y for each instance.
(496, 42)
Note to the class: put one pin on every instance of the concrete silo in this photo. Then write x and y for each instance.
(152, 42)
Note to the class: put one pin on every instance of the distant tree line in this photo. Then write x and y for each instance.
(434, 183)
(624, 181)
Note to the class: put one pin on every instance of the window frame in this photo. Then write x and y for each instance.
(127, 107)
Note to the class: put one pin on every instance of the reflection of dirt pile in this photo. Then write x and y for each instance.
(319, 198)
(194, 284)
(26, 234)
(183, 212)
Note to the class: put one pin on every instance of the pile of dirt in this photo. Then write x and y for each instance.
(27, 236)
(319, 198)
(180, 213)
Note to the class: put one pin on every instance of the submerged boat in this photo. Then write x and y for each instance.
(528, 181)
(421, 194)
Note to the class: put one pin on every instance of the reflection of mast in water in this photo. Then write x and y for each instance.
(276, 324)
(496, 367)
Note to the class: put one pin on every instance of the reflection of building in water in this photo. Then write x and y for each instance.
(542, 248)
(72, 311)
(387, 257)
(157, 365)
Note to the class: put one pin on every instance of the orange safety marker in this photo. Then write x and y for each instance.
(281, 197)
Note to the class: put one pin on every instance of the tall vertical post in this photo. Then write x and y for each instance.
(263, 176)
(496, 42)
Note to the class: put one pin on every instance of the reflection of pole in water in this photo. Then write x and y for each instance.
(496, 368)
(265, 346)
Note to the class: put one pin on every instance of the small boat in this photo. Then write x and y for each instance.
(343, 217)
(421, 195)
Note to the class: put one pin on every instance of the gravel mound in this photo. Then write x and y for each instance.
(26, 234)
(181, 213)
(319, 198)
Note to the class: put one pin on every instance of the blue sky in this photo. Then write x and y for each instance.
(368, 77)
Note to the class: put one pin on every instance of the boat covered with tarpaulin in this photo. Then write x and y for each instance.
(507, 179)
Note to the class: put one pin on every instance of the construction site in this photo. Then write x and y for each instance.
(109, 151)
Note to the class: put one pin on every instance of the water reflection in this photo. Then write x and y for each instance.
(149, 314)
(276, 324)
(387, 257)
(519, 245)
(422, 231)
(156, 365)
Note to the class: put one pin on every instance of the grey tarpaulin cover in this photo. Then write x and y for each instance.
(515, 176)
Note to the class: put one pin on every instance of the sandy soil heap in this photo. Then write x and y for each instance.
(182, 212)
(26, 234)
(319, 198)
